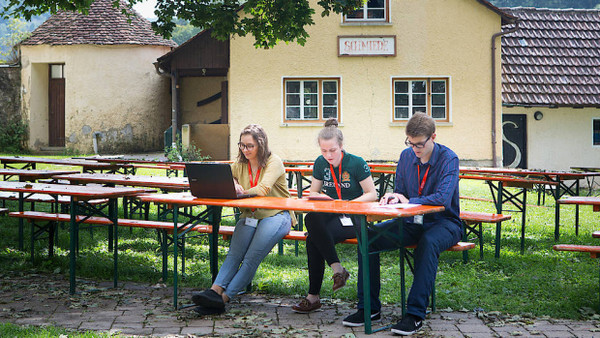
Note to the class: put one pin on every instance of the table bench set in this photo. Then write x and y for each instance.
(82, 209)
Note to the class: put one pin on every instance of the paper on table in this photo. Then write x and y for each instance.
(399, 205)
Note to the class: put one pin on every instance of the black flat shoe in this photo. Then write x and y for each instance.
(209, 298)
(204, 311)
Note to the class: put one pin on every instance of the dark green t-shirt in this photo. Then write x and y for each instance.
(354, 170)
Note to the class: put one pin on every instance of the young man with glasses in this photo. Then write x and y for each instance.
(427, 173)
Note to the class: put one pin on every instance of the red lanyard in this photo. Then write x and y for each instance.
(255, 182)
(338, 187)
(424, 177)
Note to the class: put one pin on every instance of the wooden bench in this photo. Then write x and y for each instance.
(3, 211)
(596, 234)
(472, 224)
(593, 250)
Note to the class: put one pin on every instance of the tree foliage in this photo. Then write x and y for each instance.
(269, 21)
(15, 32)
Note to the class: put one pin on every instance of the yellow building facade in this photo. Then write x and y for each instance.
(437, 58)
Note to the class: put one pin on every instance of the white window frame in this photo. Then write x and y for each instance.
(365, 18)
(320, 99)
(428, 100)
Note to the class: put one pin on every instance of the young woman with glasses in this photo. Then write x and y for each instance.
(336, 175)
(256, 171)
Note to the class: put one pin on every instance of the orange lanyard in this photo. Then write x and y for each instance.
(255, 182)
(338, 187)
(424, 178)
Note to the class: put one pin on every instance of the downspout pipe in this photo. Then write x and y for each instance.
(174, 98)
(494, 142)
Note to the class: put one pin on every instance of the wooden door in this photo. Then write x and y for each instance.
(56, 106)
(514, 137)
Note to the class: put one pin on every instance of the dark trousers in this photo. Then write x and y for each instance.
(431, 240)
(324, 231)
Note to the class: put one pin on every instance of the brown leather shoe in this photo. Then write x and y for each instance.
(306, 306)
(339, 279)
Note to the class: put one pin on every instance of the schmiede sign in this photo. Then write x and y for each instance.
(362, 45)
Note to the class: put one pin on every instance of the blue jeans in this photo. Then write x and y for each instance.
(248, 247)
(431, 240)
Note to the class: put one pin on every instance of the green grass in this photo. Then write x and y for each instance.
(11, 330)
(541, 282)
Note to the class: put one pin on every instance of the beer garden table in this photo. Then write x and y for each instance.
(79, 195)
(212, 216)
(87, 166)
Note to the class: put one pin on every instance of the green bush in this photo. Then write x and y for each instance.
(13, 134)
(181, 154)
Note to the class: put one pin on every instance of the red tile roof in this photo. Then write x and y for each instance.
(104, 25)
(553, 59)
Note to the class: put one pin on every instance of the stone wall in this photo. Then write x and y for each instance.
(10, 98)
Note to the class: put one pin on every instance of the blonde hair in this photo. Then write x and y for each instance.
(331, 131)
(260, 137)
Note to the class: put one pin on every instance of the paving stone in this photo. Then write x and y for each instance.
(163, 331)
(137, 332)
(584, 334)
(96, 326)
(197, 330)
(473, 328)
(559, 334)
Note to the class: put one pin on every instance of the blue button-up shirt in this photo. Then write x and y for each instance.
(441, 186)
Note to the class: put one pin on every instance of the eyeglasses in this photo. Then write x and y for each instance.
(248, 146)
(419, 145)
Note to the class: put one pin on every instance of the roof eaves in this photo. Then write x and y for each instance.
(507, 18)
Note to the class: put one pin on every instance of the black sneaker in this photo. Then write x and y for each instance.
(408, 325)
(209, 298)
(358, 318)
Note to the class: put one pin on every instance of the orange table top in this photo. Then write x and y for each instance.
(528, 172)
(79, 191)
(583, 200)
(294, 204)
(509, 179)
(34, 174)
(161, 182)
(58, 161)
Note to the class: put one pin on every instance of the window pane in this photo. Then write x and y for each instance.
(329, 112)
(418, 99)
(310, 100)
(401, 86)
(438, 99)
(375, 14)
(292, 113)
(56, 71)
(292, 87)
(438, 86)
(310, 86)
(401, 113)
(358, 14)
(401, 100)
(310, 112)
(597, 132)
(438, 112)
(329, 87)
(376, 4)
(330, 100)
(418, 86)
(293, 100)
(419, 110)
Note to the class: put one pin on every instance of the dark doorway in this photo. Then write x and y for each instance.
(514, 140)
(56, 106)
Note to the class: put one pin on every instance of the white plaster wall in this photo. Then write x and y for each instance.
(111, 90)
(561, 139)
